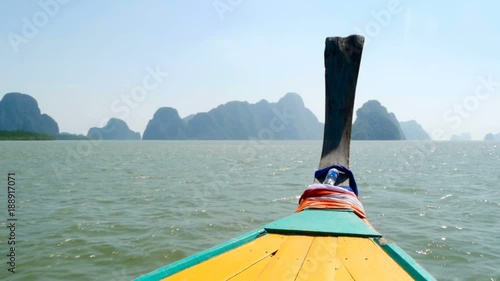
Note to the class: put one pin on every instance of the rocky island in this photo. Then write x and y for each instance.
(115, 129)
(492, 137)
(374, 122)
(287, 119)
(20, 112)
(414, 131)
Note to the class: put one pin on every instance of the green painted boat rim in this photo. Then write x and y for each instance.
(200, 257)
(416, 271)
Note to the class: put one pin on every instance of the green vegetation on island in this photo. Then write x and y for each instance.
(68, 136)
(22, 135)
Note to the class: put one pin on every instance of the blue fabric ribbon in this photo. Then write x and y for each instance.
(321, 174)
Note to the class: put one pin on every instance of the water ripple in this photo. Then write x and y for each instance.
(132, 207)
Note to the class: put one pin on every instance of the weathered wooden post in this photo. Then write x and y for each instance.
(342, 61)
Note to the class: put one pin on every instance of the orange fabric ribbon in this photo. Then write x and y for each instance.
(318, 197)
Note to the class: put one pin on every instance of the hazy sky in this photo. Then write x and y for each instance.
(85, 61)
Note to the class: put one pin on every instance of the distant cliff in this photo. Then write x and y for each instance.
(492, 137)
(413, 130)
(287, 119)
(20, 112)
(461, 137)
(166, 125)
(373, 122)
(115, 129)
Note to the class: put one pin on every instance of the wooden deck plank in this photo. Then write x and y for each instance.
(231, 263)
(365, 260)
(341, 272)
(320, 260)
(251, 273)
(285, 265)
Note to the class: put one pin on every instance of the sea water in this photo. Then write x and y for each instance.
(115, 210)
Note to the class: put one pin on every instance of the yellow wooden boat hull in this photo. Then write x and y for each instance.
(299, 257)
(310, 245)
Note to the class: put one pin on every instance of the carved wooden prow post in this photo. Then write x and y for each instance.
(342, 61)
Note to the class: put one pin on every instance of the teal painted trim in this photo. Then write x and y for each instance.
(316, 222)
(201, 256)
(406, 262)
